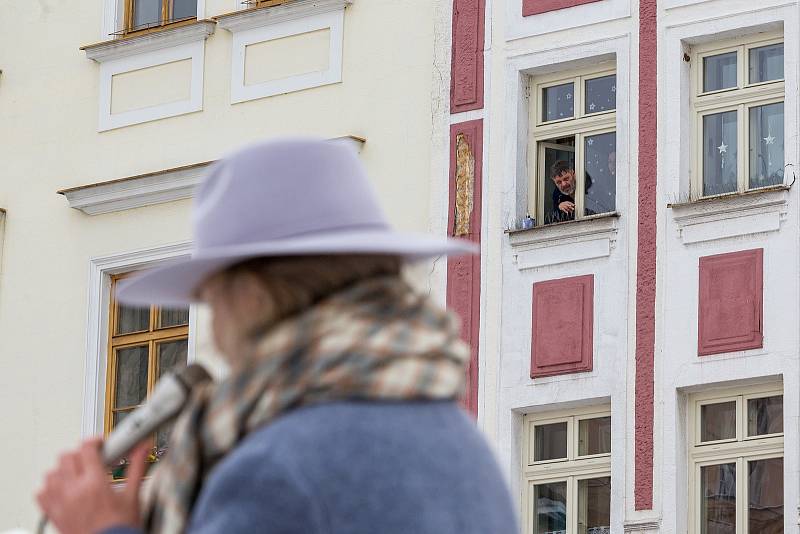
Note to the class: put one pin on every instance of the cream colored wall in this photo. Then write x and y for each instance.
(49, 141)
(142, 88)
(278, 58)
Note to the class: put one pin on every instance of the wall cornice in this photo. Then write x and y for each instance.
(258, 17)
(149, 42)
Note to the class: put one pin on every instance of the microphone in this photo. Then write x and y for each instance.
(165, 402)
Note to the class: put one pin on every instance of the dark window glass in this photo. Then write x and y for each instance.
(765, 416)
(718, 421)
(766, 63)
(601, 94)
(131, 379)
(600, 173)
(765, 496)
(719, 72)
(720, 153)
(558, 102)
(718, 499)
(146, 13)
(550, 442)
(550, 508)
(594, 436)
(766, 145)
(594, 506)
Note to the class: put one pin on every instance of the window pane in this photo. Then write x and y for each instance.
(173, 317)
(601, 94)
(594, 436)
(171, 354)
(558, 102)
(718, 499)
(146, 13)
(132, 319)
(765, 416)
(719, 72)
(550, 508)
(131, 376)
(559, 181)
(765, 496)
(600, 173)
(550, 442)
(718, 421)
(766, 145)
(720, 153)
(183, 9)
(594, 505)
(766, 63)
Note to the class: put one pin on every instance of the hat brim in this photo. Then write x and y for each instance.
(175, 284)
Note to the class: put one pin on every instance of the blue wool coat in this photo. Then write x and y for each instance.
(358, 468)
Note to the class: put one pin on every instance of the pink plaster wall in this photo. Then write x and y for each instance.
(646, 255)
(464, 273)
(730, 302)
(562, 326)
(534, 7)
(466, 76)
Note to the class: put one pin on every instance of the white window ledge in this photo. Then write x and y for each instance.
(151, 188)
(259, 17)
(553, 244)
(642, 527)
(149, 42)
(734, 215)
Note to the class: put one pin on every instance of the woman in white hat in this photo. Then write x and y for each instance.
(339, 413)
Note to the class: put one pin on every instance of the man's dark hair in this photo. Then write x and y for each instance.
(560, 167)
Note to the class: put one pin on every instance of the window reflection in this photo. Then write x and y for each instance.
(766, 145)
(594, 505)
(765, 496)
(719, 72)
(766, 63)
(720, 152)
(558, 102)
(550, 442)
(718, 421)
(765, 416)
(600, 173)
(550, 508)
(718, 499)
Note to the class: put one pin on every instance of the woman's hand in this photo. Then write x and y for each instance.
(78, 498)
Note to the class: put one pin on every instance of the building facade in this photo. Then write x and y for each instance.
(627, 168)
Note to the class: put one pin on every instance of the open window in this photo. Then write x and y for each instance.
(572, 151)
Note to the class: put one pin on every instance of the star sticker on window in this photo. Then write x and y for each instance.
(569, 96)
(770, 139)
(590, 142)
(592, 106)
(723, 148)
(613, 88)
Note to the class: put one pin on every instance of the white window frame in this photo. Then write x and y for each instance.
(580, 125)
(739, 450)
(571, 470)
(741, 98)
(99, 299)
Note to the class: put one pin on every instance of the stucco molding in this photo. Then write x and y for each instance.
(98, 299)
(731, 216)
(154, 187)
(259, 17)
(564, 242)
(149, 42)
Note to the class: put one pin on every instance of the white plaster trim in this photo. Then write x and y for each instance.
(137, 191)
(153, 188)
(2, 236)
(194, 51)
(245, 35)
(518, 27)
(266, 16)
(564, 242)
(731, 216)
(100, 271)
(649, 527)
(149, 42)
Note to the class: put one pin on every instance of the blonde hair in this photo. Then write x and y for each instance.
(251, 296)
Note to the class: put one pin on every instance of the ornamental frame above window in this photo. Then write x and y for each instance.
(738, 95)
(736, 449)
(567, 471)
(572, 144)
(142, 16)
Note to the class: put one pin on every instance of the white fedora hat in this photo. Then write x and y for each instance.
(281, 198)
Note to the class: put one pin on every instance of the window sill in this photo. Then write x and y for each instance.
(148, 41)
(266, 15)
(732, 215)
(564, 242)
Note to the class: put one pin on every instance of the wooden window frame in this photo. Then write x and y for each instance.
(740, 450)
(152, 338)
(580, 125)
(166, 21)
(571, 470)
(741, 98)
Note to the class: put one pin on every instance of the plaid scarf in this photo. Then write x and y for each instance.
(375, 340)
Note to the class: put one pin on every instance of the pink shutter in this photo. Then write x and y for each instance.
(562, 330)
(730, 311)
